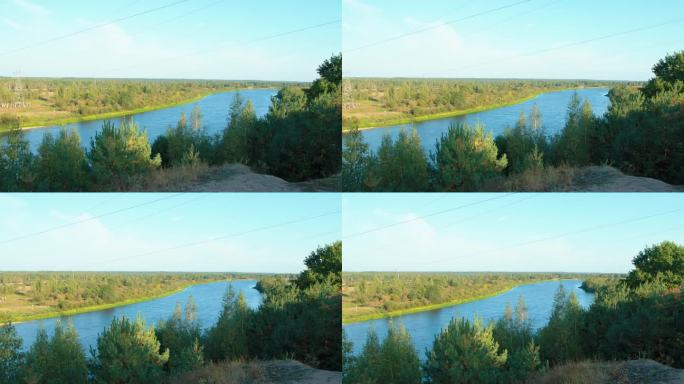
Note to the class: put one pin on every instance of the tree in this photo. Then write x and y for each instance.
(465, 158)
(401, 165)
(57, 360)
(288, 100)
(323, 264)
(662, 263)
(228, 339)
(128, 352)
(11, 358)
(181, 335)
(393, 361)
(196, 118)
(62, 164)
(235, 140)
(669, 75)
(120, 156)
(514, 334)
(356, 162)
(16, 163)
(464, 352)
(559, 340)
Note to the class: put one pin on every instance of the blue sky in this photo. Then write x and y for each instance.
(505, 43)
(212, 39)
(138, 239)
(506, 232)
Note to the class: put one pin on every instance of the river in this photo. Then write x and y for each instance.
(208, 297)
(424, 326)
(553, 107)
(214, 117)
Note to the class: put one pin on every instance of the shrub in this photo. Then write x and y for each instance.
(401, 165)
(57, 360)
(228, 338)
(180, 335)
(559, 340)
(465, 159)
(120, 156)
(11, 358)
(62, 164)
(17, 163)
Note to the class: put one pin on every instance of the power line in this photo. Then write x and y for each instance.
(223, 237)
(51, 229)
(81, 31)
(418, 31)
(383, 227)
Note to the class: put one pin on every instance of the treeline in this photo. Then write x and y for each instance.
(48, 100)
(641, 134)
(369, 294)
(297, 319)
(372, 102)
(640, 317)
(32, 293)
(299, 139)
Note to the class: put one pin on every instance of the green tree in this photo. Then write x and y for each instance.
(62, 164)
(120, 156)
(323, 264)
(560, 339)
(11, 358)
(356, 162)
(235, 144)
(401, 165)
(465, 352)
(181, 335)
(16, 163)
(514, 334)
(128, 352)
(57, 360)
(662, 263)
(465, 158)
(669, 75)
(228, 339)
(288, 100)
(196, 118)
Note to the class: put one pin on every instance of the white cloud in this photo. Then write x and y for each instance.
(12, 24)
(34, 9)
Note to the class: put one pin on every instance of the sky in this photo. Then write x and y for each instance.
(509, 38)
(259, 232)
(206, 39)
(544, 232)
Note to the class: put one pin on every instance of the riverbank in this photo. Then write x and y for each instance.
(34, 124)
(374, 124)
(431, 307)
(101, 307)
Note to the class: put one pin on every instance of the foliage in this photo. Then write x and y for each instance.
(559, 340)
(120, 155)
(515, 336)
(61, 164)
(662, 264)
(11, 358)
(323, 264)
(356, 162)
(394, 360)
(59, 359)
(524, 145)
(181, 335)
(465, 352)
(128, 352)
(16, 163)
(466, 158)
(401, 165)
(228, 339)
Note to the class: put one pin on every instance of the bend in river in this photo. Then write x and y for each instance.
(424, 326)
(553, 107)
(208, 297)
(214, 117)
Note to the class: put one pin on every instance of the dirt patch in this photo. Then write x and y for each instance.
(648, 372)
(599, 372)
(291, 372)
(609, 179)
(259, 372)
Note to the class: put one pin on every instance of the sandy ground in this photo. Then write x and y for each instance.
(609, 179)
(648, 372)
(291, 372)
(259, 372)
(240, 178)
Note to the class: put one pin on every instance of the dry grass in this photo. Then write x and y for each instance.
(234, 372)
(548, 179)
(585, 372)
(176, 178)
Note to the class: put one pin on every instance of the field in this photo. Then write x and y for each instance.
(371, 102)
(369, 296)
(35, 295)
(40, 102)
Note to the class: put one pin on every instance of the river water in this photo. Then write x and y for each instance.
(208, 298)
(424, 326)
(553, 107)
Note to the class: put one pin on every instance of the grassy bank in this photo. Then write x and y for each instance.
(366, 124)
(100, 307)
(430, 307)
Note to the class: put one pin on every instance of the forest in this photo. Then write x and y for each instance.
(31, 295)
(33, 102)
(637, 317)
(369, 102)
(299, 319)
(368, 295)
(298, 140)
(642, 134)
